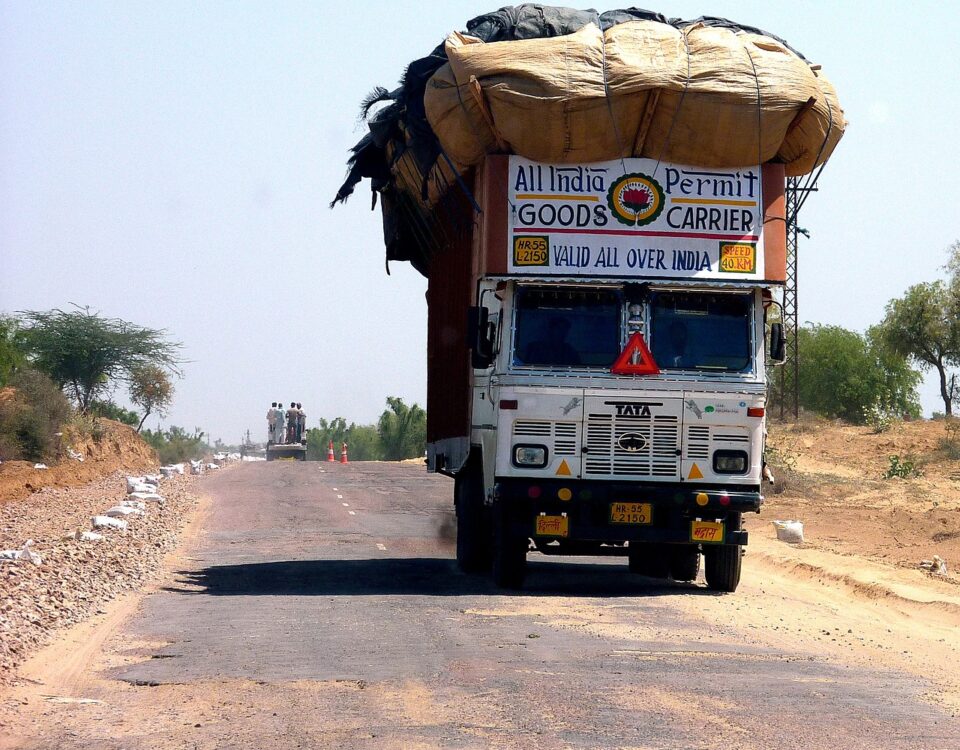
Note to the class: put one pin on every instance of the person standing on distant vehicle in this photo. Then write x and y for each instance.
(292, 422)
(272, 423)
(278, 423)
(301, 422)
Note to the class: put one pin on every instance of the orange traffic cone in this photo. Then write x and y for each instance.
(343, 454)
(330, 456)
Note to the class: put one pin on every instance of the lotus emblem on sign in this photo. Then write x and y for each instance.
(632, 442)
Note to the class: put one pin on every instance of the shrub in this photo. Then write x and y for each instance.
(902, 468)
(176, 445)
(32, 417)
(949, 444)
(110, 410)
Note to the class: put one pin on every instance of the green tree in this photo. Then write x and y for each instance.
(110, 410)
(12, 354)
(403, 430)
(363, 441)
(86, 354)
(175, 444)
(151, 390)
(847, 375)
(924, 325)
(318, 438)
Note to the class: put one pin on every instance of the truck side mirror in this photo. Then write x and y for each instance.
(778, 344)
(481, 333)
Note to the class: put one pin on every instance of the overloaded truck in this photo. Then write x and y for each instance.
(597, 202)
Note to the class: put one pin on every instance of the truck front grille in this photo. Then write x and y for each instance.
(614, 450)
(563, 434)
(702, 440)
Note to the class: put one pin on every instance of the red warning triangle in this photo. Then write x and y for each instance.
(635, 359)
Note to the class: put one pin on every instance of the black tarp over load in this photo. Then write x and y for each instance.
(564, 85)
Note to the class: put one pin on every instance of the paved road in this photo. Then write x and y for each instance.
(321, 607)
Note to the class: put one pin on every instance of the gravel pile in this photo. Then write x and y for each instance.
(75, 578)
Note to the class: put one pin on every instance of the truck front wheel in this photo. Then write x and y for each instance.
(722, 565)
(509, 552)
(684, 562)
(473, 524)
(722, 568)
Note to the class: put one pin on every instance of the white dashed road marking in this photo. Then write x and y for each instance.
(381, 547)
(345, 505)
(352, 513)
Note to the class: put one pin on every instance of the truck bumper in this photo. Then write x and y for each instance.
(673, 510)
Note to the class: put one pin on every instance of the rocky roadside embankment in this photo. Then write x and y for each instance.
(76, 578)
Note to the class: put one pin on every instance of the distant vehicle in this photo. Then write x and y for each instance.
(287, 451)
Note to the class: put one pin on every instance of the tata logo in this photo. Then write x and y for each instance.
(631, 408)
(632, 442)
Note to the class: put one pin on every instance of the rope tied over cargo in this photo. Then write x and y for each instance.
(756, 79)
(683, 95)
(606, 92)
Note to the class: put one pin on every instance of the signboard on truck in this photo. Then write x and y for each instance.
(634, 218)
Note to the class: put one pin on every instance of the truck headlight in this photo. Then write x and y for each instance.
(729, 462)
(530, 456)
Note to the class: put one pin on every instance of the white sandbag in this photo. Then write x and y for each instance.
(106, 522)
(138, 504)
(141, 487)
(122, 511)
(152, 478)
(179, 468)
(133, 482)
(789, 531)
(40, 466)
(937, 566)
(212, 466)
(147, 497)
(167, 471)
(75, 455)
(24, 554)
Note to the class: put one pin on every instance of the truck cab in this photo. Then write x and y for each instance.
(613, 409)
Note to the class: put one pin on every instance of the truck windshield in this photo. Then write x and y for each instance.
(566, 328)
(700, 331)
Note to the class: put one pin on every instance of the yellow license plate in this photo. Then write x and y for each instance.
(553, 526)
(639, 514)
(707, 532)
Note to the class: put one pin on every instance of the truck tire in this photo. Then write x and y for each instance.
(474, 535)
(509, 552)
(721, 565)
(269, 456)
(651, 560)
(684, 562)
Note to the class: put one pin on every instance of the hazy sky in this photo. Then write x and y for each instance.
(171, 164)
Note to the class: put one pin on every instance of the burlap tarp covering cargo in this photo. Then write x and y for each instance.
(698, 95)
(562, 85)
